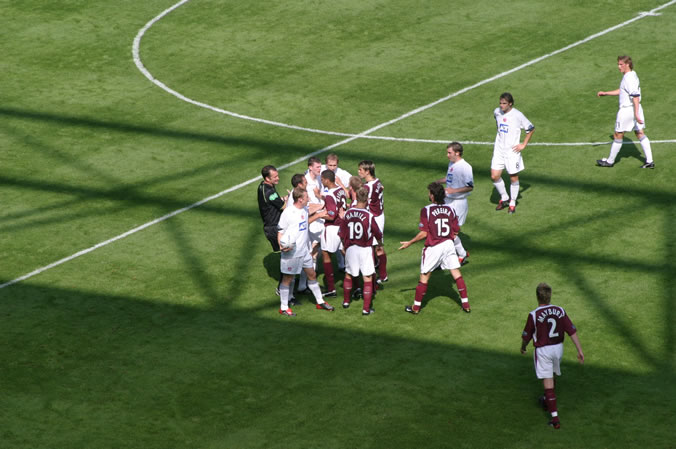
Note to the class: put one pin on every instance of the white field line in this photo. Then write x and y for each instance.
(161, 85)
(350, 137)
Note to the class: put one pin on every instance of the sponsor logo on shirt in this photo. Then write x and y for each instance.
(503, 128)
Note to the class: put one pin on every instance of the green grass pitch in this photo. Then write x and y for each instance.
(170, 337)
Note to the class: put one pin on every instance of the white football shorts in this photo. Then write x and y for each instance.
(547, 361)
(460, 207)
(294, 265)
(330, 239)
(359, 259)
(380, 221)
(442, 254)
(507, 159)
(316, 231)
(626, 122)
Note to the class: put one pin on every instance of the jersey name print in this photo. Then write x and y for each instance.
(547, 325)
(359, 228)
(440, 223)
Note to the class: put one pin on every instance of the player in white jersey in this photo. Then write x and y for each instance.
(459, 184)
(294, 241)
(629, 116)
(314, 190)
(507, 149)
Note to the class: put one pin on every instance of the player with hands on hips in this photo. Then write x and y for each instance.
(438, 227)
(547, 326)
(629, 116)
(507, 149)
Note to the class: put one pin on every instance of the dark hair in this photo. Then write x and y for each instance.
(627, 60)
(298, 193)
(507, 96)
(265, 171)
(456, 147)
(369, 166)
(330, 175)
(313, 160)
(297, 179)
(438, 192)
(544, 293)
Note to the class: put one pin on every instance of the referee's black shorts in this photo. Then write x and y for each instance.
(271, 234)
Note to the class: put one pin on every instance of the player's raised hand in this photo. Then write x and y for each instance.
(600, 94)
(404, 245)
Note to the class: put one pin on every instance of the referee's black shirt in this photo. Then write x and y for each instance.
(270, 204)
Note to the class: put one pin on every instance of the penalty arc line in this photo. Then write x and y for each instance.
(139, 64)
(352, 137)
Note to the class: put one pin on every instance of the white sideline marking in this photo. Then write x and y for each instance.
(161, 85)
(350, 137)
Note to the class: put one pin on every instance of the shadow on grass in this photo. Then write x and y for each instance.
(120, 372)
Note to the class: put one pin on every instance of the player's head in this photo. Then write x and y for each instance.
(544, 293)
(362, 195)
(624, 61)
(437, 192)
(270, 175)
(332, 161)
(367, 167)
(355, 182)
(328, 178)
(506, 102)
(454, 151)
(298, 194)
(314, 165)
(299, 179)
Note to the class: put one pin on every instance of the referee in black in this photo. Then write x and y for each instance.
(270, 204)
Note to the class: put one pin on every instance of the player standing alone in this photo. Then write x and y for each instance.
(629, 116)
(507, 149)
(438, 227)
(546, 326)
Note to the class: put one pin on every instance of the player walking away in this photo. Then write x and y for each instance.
(629, 116)
(438, 227)
(546, 326)
(507, 149)
(335, 202)
(459, 184)
(358, 229)
(367, 171)
(293, 232)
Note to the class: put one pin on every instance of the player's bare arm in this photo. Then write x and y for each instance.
(602, 93)
(321, 213)
(451, 190)
(422, 235)
(578, 346)
(518, 148)
(636, 102)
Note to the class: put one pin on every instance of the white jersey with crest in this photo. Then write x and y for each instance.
(509, 127)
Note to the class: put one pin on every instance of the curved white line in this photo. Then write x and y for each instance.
(350, 137)
(139, 64)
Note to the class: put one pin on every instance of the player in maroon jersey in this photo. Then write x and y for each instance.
(367, 170)
(358, 228)
(546, 326)
(438, 227)
(334, 202)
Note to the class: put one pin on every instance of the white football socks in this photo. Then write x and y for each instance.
(316, 291)
(459, 249)
(284, 296)
(514, 192)
(500, 187)
(614, 151)
(647, 150)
